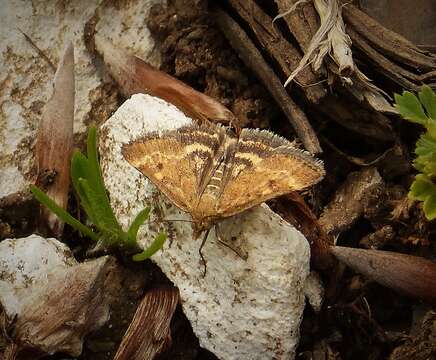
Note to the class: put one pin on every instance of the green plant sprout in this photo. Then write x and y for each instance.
(89, 186)
(422, 110)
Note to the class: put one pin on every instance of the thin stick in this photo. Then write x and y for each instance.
(253, 59)
(39, 51)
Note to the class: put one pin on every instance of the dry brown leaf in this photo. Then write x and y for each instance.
(136, 76)
(55, 142)
(408, 274)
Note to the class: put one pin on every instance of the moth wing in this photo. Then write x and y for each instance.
(176, 161)
(265, 166)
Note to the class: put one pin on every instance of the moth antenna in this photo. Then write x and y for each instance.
(220, 240)
(177, 220)
(170, 221)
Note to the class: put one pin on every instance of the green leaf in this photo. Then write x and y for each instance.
(430, 207)
(410, 108)
(61, 213)
(105, 219)
(428, 99)
(152, 249)
(94, 176)
(79, 170)
(95, 179)
(431, 128)
(421, 188)
(132, 233)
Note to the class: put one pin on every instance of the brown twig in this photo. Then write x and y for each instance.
(253, 59)
(286, 55)
(387, 68)
(39, 51)
(386, 41)
(149, 332)
(302, 22)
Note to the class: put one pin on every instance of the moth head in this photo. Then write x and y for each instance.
(200, 226)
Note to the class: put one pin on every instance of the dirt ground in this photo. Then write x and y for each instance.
(360, 319)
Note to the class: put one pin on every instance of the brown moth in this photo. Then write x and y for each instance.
(212, 174)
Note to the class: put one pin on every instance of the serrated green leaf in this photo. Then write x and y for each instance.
(425, 145)
(430, 206)
(421, 188)
(410, 108)
(132, 233)
(152, 249)
(428, 99)
(431, 128)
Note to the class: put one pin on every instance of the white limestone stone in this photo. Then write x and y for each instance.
(241, 309)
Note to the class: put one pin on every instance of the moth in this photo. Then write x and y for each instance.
(211, 174)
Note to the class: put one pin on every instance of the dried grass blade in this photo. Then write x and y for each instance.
(149, 332)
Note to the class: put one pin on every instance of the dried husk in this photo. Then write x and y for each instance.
(50, 301)
(55, 143)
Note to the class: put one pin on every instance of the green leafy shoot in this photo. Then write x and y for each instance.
(422, 110)
(89, 186)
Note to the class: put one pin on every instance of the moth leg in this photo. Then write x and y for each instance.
(219, 238)
(200, 252)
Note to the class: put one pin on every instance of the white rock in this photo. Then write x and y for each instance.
(53, 300)
(242, 309)
(26, 78)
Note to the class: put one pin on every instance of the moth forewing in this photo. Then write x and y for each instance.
(212, 175)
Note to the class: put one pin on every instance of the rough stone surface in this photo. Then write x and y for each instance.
(242, 309)
(26, 77)
(38, 277)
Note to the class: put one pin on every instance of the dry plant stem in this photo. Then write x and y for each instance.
(286, 55)
(363, 89)
(10, 353)
(408, 274)
(339, 42)
(302, 23)
(254, 60)
(387, 68)
(386, 41)
(55, 141)
(136, 76)
(330, 39)
(149, 332)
